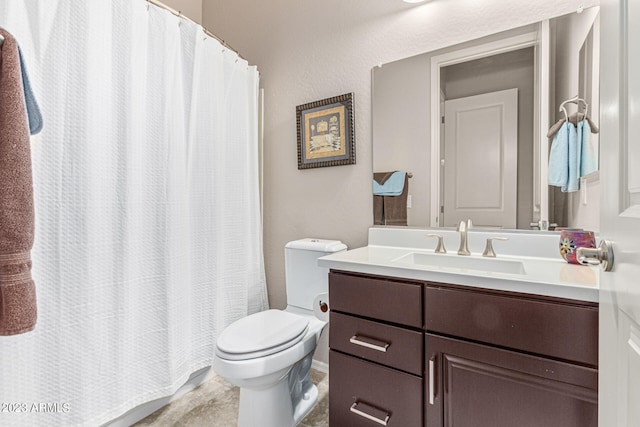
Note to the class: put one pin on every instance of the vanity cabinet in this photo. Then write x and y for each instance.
(504, 359)
(474, 357)
(376, 345)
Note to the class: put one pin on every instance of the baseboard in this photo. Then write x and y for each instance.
(320, 366)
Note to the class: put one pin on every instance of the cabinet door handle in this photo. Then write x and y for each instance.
(370, 343)
(432, 380)
(370, 417)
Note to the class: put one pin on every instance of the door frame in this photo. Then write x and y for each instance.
(540, 41)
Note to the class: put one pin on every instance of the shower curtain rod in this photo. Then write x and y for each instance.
(207, 32)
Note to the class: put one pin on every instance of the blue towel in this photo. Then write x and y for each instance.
(559, 157)
(391, 187)
(33, 111)
(573, 178)
(588, 162)
(571, 156)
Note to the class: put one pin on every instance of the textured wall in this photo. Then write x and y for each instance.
(309, 50)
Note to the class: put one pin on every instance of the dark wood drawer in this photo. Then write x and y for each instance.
(390, 345)
(383, 299)
(360, 389)
(553, 327)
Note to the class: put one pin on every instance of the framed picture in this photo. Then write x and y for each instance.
(325, 133)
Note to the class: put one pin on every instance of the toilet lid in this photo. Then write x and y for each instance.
(261, 334)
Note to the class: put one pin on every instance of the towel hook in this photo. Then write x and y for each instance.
(575, 100)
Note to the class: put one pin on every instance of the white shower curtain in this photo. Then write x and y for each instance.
(148, 232)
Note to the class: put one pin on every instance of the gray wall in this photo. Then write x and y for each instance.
(401, 131)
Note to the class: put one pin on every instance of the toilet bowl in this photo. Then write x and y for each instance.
(269, 354)
(275, 385)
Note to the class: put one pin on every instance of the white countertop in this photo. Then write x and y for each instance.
(550, 276)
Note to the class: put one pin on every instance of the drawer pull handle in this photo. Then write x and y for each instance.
(359, 341)
(357, 411)
(432, 381)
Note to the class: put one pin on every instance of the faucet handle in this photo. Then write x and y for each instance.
(488, 250)
(440, 249)
(465, 225)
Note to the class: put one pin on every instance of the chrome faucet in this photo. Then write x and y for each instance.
(464, 245)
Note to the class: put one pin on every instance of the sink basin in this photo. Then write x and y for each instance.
(492, 265)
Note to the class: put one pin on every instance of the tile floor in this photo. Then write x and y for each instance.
(215, 404)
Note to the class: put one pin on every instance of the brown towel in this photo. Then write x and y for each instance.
(390, 210)
(378, 201)
(378, 210)
(382, 177)
(18, 311)
(395, 207)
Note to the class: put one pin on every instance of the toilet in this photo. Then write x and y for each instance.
(269, 354)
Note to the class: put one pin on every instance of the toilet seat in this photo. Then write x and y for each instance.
(261, 334)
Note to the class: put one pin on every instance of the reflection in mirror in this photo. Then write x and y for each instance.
(488, 115)
(577, 76)
(493, 101)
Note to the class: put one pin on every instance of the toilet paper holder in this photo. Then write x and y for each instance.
(324, 307)
(321, 306)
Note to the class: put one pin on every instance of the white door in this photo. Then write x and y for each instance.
(619, 375)
(481, 128)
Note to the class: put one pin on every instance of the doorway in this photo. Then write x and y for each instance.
(461, 83)
(481, 129)
(482, 73)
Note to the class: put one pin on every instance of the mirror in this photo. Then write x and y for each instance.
(509, 84)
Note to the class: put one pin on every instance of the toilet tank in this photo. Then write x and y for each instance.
(304, 279)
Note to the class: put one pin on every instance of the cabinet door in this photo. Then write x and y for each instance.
(475, 385)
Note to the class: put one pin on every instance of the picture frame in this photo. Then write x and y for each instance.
(326, 135)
